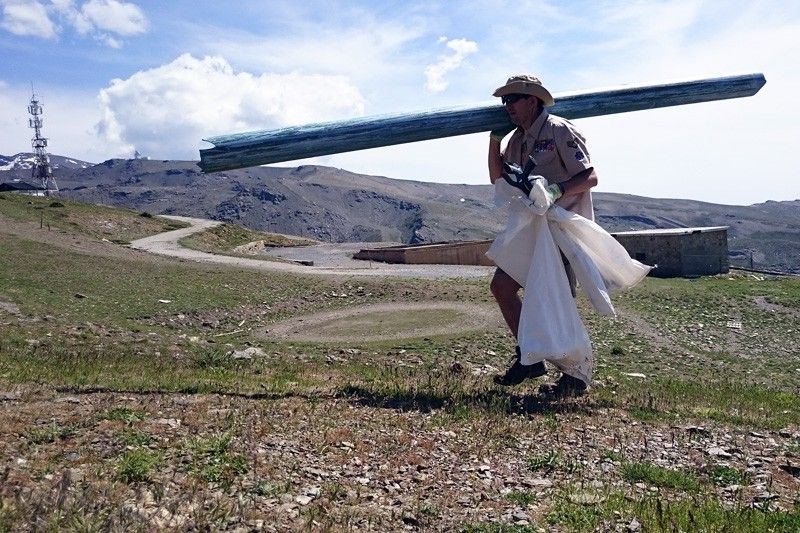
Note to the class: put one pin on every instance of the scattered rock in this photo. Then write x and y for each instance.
(303, 499)
(173, 423)
(9, 396)
(634, 375)
(586, 498)
(718, 452)
(794, 470)
(247, 353)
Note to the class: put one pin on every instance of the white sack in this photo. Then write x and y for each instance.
(550, 327)
(512, 248)
(612, 260)
(528, 251)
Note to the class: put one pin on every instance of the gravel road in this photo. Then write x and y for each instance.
(329, 259)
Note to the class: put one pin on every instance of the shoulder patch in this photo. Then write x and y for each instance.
(579, 156)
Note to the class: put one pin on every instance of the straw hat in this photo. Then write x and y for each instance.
(526, 84)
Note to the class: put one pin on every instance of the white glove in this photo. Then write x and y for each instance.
(543, 195)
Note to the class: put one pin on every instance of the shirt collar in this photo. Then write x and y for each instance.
(536, 127)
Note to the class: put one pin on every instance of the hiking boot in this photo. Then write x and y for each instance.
(519, 372)
(565, 387)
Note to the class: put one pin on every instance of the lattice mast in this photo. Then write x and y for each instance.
(41, 172)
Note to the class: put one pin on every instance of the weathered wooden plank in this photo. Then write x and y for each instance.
(287, 144)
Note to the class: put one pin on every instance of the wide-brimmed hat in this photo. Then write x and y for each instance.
(526, 84)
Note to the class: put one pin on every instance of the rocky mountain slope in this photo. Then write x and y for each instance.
(331, 204)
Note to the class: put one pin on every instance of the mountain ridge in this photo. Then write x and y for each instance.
(331, 204)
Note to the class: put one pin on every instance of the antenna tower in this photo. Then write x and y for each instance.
(41, 171)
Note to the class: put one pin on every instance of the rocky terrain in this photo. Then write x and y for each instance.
(146, 393)
(334, 205)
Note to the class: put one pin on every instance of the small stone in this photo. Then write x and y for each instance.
(538, 482)
(303, 499)
(718, 452)
(634, 375)
(410, 519)
(68, 399)
(765, 497)
(173, 423)
(586, 498)
(635, 525)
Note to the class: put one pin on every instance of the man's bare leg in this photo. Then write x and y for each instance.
(506, 291)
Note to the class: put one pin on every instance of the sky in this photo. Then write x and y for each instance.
(157, 77)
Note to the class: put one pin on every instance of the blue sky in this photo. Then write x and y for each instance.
(157, 77)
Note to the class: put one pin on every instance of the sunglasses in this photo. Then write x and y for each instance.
(513, 98)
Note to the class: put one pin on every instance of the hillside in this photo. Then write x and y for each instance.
(143, 393)
(331, 204)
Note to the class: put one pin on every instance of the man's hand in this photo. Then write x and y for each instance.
(500, 133)
(555, 192)
(543, 196)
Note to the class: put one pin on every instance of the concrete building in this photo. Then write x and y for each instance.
(676, 252)
(679, 251)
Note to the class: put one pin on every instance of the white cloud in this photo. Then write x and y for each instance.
(27, 18)
(366, 50)
(103, 20)
(121, 18)
(436, 72)
(166, 111)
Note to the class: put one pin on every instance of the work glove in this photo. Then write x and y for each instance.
(543, 195)
(500, 133)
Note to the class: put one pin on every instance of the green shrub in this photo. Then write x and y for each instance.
(659, 476)
(136, 465)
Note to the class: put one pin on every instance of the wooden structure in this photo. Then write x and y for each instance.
(287, 144)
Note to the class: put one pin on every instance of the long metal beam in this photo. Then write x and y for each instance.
(242, 150)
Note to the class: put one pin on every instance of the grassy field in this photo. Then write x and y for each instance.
(115, 225)
(140, 394)
(228, 238)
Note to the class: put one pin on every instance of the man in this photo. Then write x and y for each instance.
(561, 157)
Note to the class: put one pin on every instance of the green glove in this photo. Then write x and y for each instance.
(500, 133)
(555, 191)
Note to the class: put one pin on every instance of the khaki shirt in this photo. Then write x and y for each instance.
(560, 153)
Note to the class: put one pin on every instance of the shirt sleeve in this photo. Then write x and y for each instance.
(571, 146)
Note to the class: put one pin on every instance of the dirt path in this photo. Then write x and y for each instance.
(167, 244)
(391, 321)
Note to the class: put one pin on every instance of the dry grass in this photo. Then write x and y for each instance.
(121, 412)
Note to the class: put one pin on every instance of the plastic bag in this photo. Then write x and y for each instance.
(529, 250)
(550, 327)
